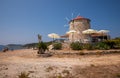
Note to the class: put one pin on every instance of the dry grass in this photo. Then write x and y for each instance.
(102, 71)
(62, 65)
(49, 69)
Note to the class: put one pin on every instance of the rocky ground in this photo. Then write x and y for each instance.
(62, 64)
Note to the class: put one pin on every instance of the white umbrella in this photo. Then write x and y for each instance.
(53, 35)
(71, 32)
(89, 31)
(103, 32)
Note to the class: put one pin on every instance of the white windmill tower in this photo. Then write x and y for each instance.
(78, 24)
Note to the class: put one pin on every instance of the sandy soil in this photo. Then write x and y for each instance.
(12, 63)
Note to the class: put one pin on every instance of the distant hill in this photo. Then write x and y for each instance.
(30, 45)
(15, 46)
(33, 45)
(2, 47)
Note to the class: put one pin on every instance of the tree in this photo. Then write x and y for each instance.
(39, 38)
(42, 47)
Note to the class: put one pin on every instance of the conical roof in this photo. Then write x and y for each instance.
(80, 18)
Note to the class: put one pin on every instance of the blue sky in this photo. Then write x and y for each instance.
(22, 20)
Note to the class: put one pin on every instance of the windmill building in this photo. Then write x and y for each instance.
(79, 24)
(76, 28)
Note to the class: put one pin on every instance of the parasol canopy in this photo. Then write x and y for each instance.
(71, 31)
(103, 31)
(53, 35)
(89, 31)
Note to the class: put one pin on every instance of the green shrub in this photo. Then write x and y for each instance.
(88, 46)
(57, 46)
(24, 75)
(48, 43)
(113, 43)
(76, 46)
(102, 46)
(117, 46)
(42, 47)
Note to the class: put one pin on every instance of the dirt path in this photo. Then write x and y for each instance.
(12, 63)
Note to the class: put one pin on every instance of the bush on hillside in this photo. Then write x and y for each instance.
(57, 46)
(42, 47)
(30, 45)
(102, 46)
(48, 43)
(88, 46)
(114, 44)
(76, 46)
